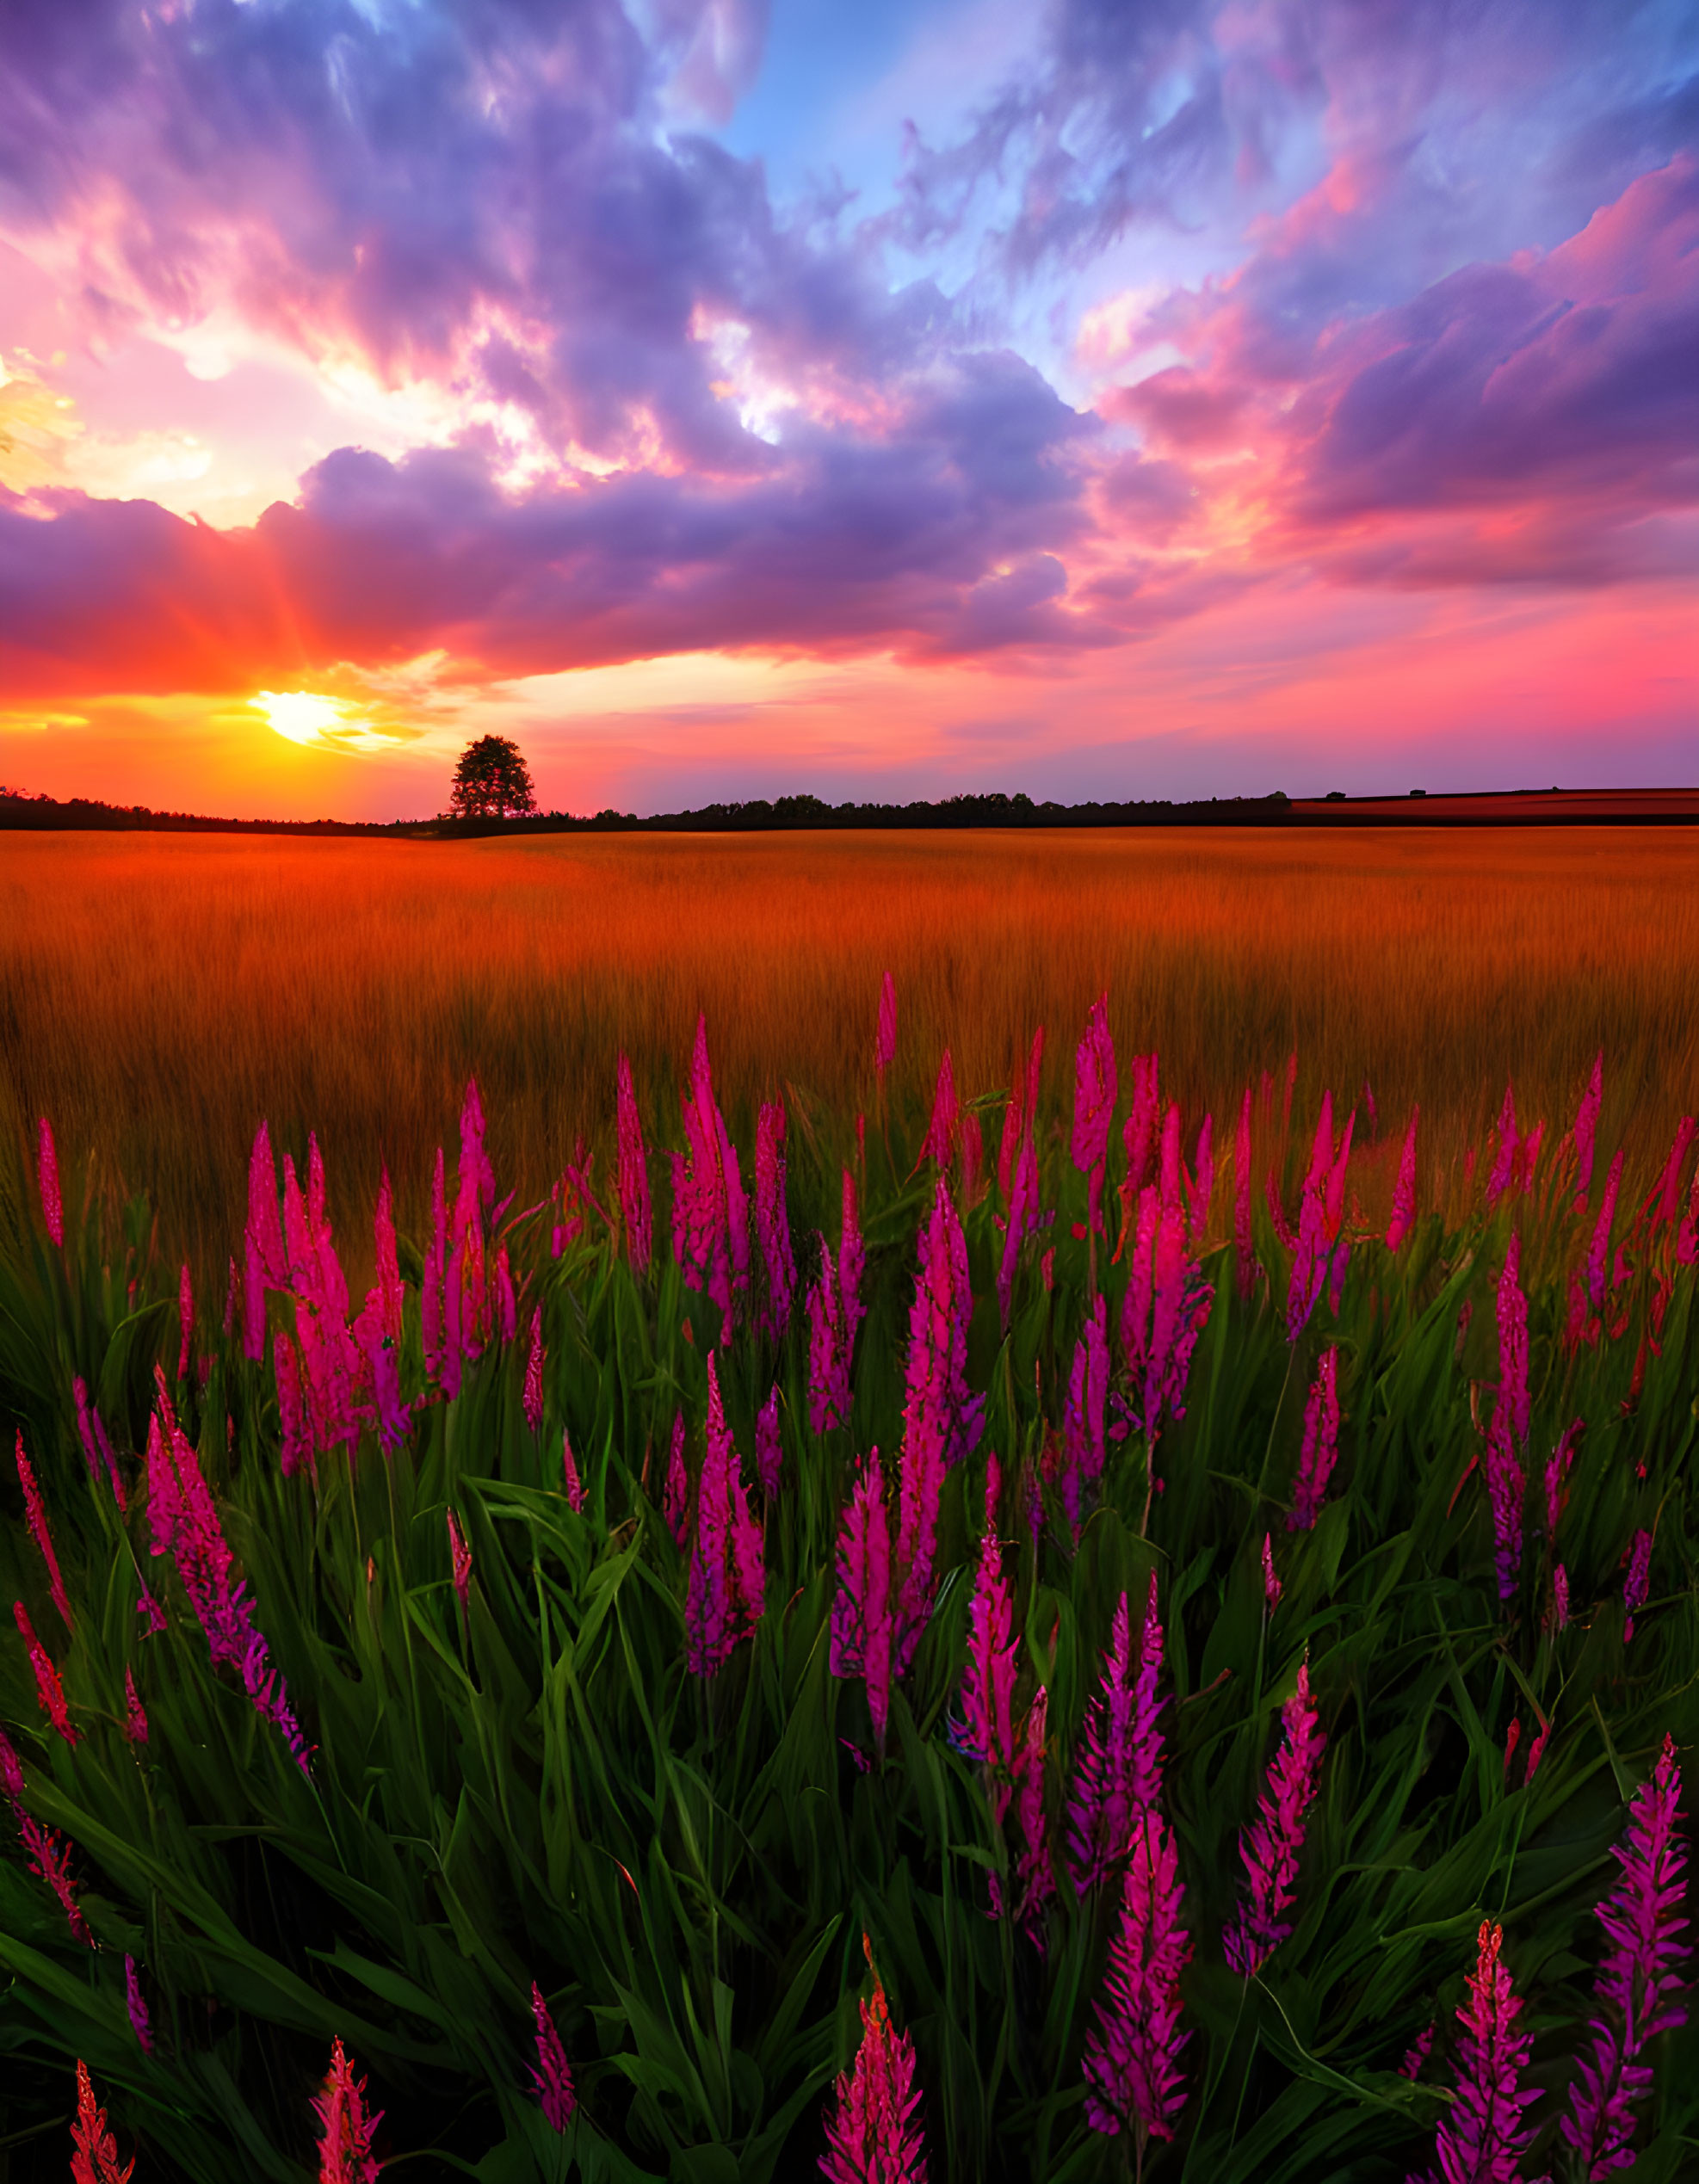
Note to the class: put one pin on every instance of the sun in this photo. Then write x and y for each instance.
(301, 715)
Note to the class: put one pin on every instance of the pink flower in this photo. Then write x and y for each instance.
(873, 2135)
(1537, 1752)
(1094, 1104)
(1586, 1127)
(1637, 1584)
(676, 1497)
(11, 1770)
(863, 1621)
(96, 1448)
(635, 1213)
(1167, 1302)
(95, 2158)
(47, 1177)
(1272, 1586)
(1411, 2067)
(185, 1321)
(1132, 2065)
(1504, 1159)
(533, 1397)
(710, 1215)
(50, 1860)
(294, 1439)
(1321, 1209)
(47, 1684)
(986, 1732)
(1203, 1185)
(941, 1420)
(1018, 1114)
(1559, 1595)
(507, 1304)
(1667, 1196)
(135, 1716)
(1513, 1345)
(1083, 1423)
(1118, 1766)
(1637, 1986)
(771, 1225)
(1138, 1133)
(572, 1485)
(939, 1144)
(1320, 1447)
(552, 2077)
(1599, 1250)
(431, 1298)
(1023, 1220)
(136, 2007)
(389, 1268)
(1557, 1471)
(459, 1561)
(1481, 2138)
(835, 1311)
(768, 1453)
(885, 1042)
(1034, 1879)
(1244, 1253)
(1270, 1845)
(728, 1576)
(1506, 1485)
(345, 2130)
(1404, 1191)
(36, 1513)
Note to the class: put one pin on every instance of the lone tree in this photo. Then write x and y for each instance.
(492, 781)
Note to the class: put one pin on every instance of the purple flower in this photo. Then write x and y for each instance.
(1559, 1595)
(1598, 1251)
(432, 1302)
(873, 2134)
(1637, 1584)
(136, 2007)
(47, 1177)
(1024, 1218)
(1513, 1345)
(1272, 1586)
(939, 1142)
(1270, 1846)
(1132, 2064)
(676, 1498)
(36, 1513)
(1244, 1255)
(768, 1452)
(1082, 1421)
(1118, 1766)
(572, 1484)
(1034, 1877)
(459, 1561)
(835, 1310)
(885, 1042)
(728, 1576)
(1138, 1133)
(986, 1732)
(1637, 1986)
(135, 1716)
(96, 1448)
(552, 2077)
(941, 1420)
(1506, 1485)
(1586, 1127)
(1504, 1159)
(533, 1397)
(1557, 1471)
(710, 1215)
(633, 1177)
(1481, 2138)
(185, 1320)
(1417, 2055)
(1321, 1210)
(1094, 1104)
(771, 1225)
(863, 1621)
(1666, 1197)
(1320, 1445)
(1167, 1302)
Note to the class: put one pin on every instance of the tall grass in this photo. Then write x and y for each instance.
(158, 996)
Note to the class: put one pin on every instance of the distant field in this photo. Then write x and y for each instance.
(159, 993)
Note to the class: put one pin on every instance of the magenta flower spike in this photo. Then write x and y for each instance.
(551, 2076)
(728, 1576)
(1559, 1595)
(941, 1420)
(1093, 1098)
(1167, 1301)
(47, 1179)
(345, 2128)
(768, 1452)
(1666, 1197)
(135, 1715)
(11, 1770)
(507, 1304)
(1504, 1157)
(939, 1144)
(431, 1298)
(885, 1040)
(1082, 1420)
(1481, 2138)
(1203, 1185)
(50, 1860)
(1320, 1447)
(1557, 1472)
(49, 1690)
(1636, 1584)
(1404, 1191)
(1138, 1133)
(1118, 1762)
(1416, 2054)
(1598, 1251)
(1513, 1344)
(295, 1436)
(873, 2134)
(96, 1448)
(828, 1370)
(1023, 1220)
(136, 2007)
(263, 1220)
(1131, 2062)
(1035, 1876)
(185, 1320)
(1506, 1486)
(710, 1221)
(35, 1512)
(635, 1211)
(572, 1484)
(459, 1561)
(675, 1502)
(863, 1639)
(986, 1730)
(389, 1291)
(1586, 1128)
(1270, 1845)
(772, 1224)
(533, 1397)
(1244, 1257)
(1638, 1986)
(1272, 1588)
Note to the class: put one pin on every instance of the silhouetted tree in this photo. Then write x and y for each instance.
(492, 781)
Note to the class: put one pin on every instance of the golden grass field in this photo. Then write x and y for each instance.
(159, 993)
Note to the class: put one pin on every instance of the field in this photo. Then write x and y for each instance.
(158, 998)
(1182, 1690)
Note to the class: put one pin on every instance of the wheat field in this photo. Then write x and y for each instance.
(159, 995)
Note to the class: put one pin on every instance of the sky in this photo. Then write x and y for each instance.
(877, 398)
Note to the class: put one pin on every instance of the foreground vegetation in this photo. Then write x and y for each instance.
(542, 1652)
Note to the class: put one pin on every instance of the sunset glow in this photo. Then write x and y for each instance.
(1092, 399)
